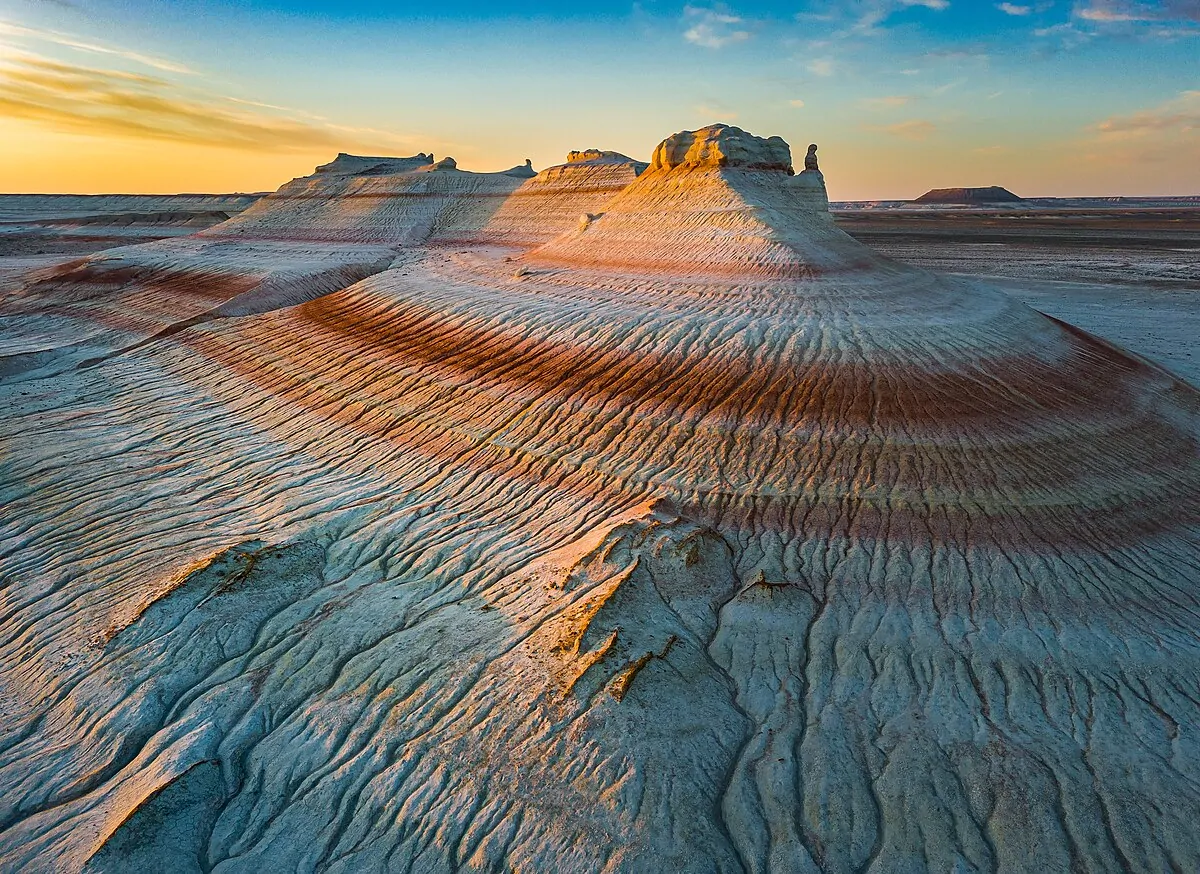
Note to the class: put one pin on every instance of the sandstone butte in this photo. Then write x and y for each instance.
(621, 518)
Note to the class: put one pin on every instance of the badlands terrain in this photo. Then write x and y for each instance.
(617, 517)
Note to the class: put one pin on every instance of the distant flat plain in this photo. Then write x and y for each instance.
(1130, 274)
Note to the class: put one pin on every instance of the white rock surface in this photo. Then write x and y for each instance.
(698, 538)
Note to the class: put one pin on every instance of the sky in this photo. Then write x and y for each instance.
(1044, 97)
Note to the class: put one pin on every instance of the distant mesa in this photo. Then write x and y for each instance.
(991, 194)
(722, 145)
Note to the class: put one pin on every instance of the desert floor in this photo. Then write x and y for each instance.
(1130, 275)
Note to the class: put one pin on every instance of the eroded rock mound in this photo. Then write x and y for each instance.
(721, 145)
(616, 521)
(359, 165)
(598, 156)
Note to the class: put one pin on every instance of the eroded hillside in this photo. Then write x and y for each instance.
(621, 518)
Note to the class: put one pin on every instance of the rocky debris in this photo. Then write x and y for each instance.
(724, 146)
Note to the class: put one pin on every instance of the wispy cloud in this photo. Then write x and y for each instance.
(1170, 19)
(713, 28)
(875, 12)
(84, 100)
(915, 129)
(1167, 134)
(1014, 9)
(859, 18)
(1180, 115)
(893, 101)
(10, 29)
(1066, 34)
(1128, 10)
(820, 67)
(958, 55)
(796, 104)
(715, 112)
(1100, 13)
(1097, 19)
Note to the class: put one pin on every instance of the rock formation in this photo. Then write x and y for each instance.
(597, 156)
(523, 171)
(969, 196)
(693, 537)
(720, 145)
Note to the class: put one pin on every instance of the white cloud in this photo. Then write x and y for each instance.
(1167, 135)
(1180, 115)
(891, 102)
(1014, 9)
(715, 112)
(917, 129)
(7, 28)
(1109, 15)
(820, 67)
(75, 99)
(1168, 20)
(796, 104)
(1127, 12)
(878, 11)
(713, 28)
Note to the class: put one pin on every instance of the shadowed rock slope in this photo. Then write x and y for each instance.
(695, 538)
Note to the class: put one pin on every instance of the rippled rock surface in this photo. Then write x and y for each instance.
(622, 518)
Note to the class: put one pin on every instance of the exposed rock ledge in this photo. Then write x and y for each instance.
(599, 156)
(721, 145)
(361, 165)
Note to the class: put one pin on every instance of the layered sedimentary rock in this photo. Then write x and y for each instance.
(561, 197)
(352, 218)
(696, 537)
(398, 202)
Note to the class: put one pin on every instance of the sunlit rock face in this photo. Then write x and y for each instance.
(617, 519)
(720, 145)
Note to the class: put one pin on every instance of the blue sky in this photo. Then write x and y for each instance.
(1066, 97)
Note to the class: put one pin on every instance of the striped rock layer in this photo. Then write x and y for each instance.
(617, 519)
